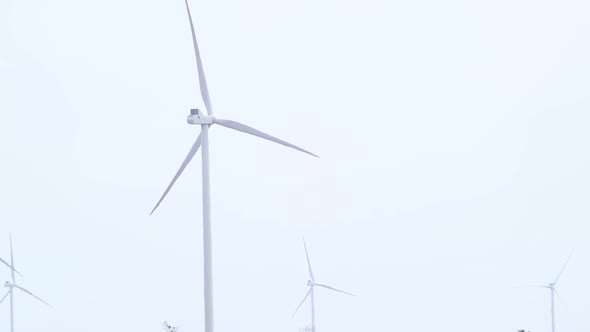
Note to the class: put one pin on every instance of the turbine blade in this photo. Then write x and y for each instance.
(563, 268)
(308, 263)
(5, 295)
(201, 72)
(334, 289)
(5, 263)
(249, 130)
(11, 259)
(33, 295)
(10, 267)
(186, 161)
(300, 304)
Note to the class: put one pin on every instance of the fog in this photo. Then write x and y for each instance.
(453, 164)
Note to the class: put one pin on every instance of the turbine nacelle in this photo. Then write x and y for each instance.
(199, 118)
(310, 283)
(8, 284)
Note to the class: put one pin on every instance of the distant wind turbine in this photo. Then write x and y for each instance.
(551, 286)
(312, 284)
(196, 117)
(11, 286)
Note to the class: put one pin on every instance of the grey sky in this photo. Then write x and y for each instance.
(453, 142)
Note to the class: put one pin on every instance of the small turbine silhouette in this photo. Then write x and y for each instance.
(312, 284)
(551, 286)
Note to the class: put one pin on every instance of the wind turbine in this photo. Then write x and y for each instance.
(312, 284)
(551, 287)
(196, 117)
(11, 286)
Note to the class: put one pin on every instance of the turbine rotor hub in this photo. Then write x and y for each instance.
(8, 284)
(199, 118)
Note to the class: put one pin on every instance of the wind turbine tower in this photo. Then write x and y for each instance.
(12, 285)
(312, 284)
(552, 289)
(204, 121)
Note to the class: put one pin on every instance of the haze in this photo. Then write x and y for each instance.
(453, 141)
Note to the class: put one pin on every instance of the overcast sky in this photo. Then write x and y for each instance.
(454, 163)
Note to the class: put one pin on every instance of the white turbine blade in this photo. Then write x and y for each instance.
(33, 295)
(5, 263)
(249, 130)
(308, 263)
(300, 304)
(202, 80)
(334, 289)
(5, 295)
(11, 259)
(10, 267)
(186, 161)
(563, 268)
